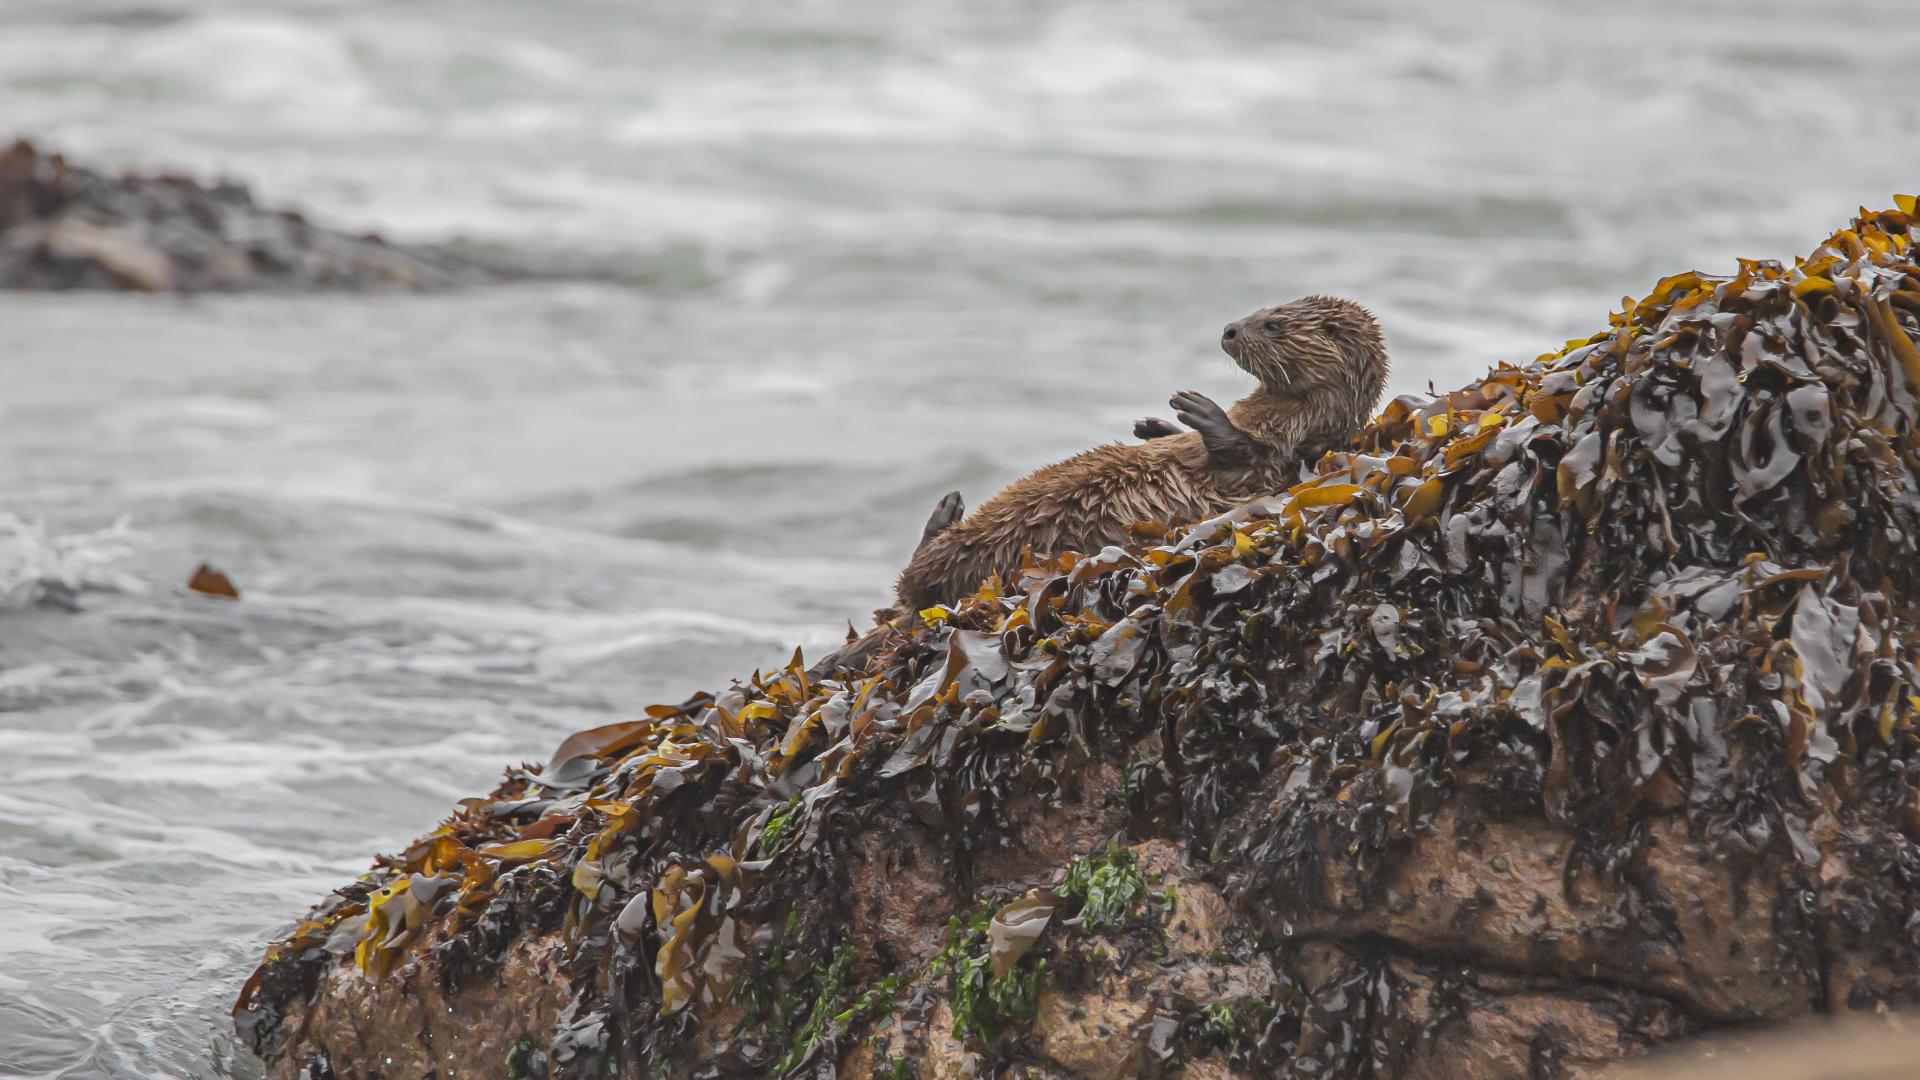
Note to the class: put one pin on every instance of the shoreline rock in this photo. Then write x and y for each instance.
(1558, 719)
(64, 226)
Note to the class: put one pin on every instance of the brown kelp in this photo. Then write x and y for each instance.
(1579, 702)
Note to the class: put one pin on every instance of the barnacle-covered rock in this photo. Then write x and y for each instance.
(1561, 717)
(63, 226)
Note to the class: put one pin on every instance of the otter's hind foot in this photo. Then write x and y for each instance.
(1152, 427)
(946, 514)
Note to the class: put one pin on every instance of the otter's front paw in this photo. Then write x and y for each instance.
(1200, 412)
(1152, 427)
(946, 513)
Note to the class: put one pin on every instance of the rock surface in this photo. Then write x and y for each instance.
(1563, 717)
(63, 226)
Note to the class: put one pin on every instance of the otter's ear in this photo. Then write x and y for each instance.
(1333, 330)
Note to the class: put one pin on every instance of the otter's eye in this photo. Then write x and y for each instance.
(1273, 327)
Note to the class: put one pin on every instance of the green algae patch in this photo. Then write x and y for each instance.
(1649, 596)
(827, 999)
(1109, 887)
(987, 999)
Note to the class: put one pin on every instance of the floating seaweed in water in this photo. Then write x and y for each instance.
(1652, 593)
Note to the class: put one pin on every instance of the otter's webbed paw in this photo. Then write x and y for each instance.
(1200, 412)
(1152, 427)
(1226, 445)
(946, 514)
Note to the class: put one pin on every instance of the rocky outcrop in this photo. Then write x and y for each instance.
(1562, 717)
(67, 227)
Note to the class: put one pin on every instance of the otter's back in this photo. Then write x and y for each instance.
(1081, 504)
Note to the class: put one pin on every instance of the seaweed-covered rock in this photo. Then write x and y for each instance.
(1564, 716)
(67, 227)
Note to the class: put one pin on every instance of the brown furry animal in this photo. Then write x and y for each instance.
(1321, 365)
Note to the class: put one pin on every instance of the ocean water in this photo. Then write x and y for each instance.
(859, 253)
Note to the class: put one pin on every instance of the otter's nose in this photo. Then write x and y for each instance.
(1229, 333)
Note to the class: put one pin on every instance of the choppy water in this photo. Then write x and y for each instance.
(884, 249)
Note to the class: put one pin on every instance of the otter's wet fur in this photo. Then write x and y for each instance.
(1322, 365)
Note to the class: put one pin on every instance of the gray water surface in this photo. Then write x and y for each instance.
(875, 251)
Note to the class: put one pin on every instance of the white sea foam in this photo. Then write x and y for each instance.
(37, 566)
(258, 59)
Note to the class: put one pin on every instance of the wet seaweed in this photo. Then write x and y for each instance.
(988, 995)
(1665, 570)
(1109, 887)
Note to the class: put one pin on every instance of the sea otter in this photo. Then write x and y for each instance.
(1321, 365)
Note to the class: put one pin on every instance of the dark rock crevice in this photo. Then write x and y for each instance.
(1378, 947)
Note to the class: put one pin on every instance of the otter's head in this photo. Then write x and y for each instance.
(1314, 345)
